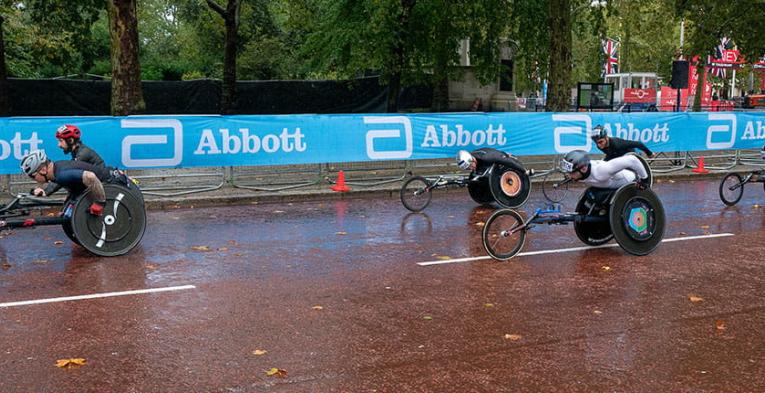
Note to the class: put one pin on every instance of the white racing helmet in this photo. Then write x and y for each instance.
(32, 162)
(464, 159)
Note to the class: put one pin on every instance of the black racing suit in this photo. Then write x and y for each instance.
(68, 174)
(618, 147)
(486, 156)
(80, 153)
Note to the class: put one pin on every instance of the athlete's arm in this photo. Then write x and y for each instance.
(630, 162)
(90, 181)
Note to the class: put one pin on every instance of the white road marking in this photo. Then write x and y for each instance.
(561, 250)
(95, 296)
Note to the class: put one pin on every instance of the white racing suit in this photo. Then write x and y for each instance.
(615, 173)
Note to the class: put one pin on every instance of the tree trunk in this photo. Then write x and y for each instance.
(398, 55)
(230, 19)
(441, 94)
(228, 100)
(127, 96)
(560, 56)
(441, 67)
(394, 88)
(5, 103)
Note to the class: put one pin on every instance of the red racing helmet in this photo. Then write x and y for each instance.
(68, 131)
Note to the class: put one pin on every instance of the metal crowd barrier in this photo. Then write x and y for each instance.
(276, 177)
(175, 182)
(721, 161)
(668, 162)
(369, 174)
(750, 157)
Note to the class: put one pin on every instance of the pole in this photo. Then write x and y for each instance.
(733, 84)
(677, 101)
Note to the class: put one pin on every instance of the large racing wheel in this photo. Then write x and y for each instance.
(637, 219)
(480, 191)
(592, 233)
(118, 230)
(509, 187)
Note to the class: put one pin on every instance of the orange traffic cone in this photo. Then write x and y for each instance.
(700, 167)
(340, 185)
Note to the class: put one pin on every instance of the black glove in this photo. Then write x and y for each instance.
(642, 184)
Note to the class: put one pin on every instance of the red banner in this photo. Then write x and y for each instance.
(647, 96)
(669, 99)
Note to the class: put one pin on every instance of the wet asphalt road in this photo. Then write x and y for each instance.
(333, 293)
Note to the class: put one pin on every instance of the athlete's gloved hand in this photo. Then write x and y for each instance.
(96, 208)
(642, 184)
(37, 192)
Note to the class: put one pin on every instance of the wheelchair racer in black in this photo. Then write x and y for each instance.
(479, 160)
(75, 176)
(69, 140)
(616, 147)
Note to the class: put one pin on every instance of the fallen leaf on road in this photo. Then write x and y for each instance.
(222, 248)
(150, 266)
(480, 224)
(597, 312)
(488, 305)
(259, 352)
(671, 181)
(705, 227)
(513, 337)
(341, 233)
(6, 266)
(695, 299)
(606, 268)
(427, 318)
(443, 257)
(720, 324)
(201, 248)
(40, 261)
(278, 211)
(683, 233)
(756, 206)
(276, 372)
(317, 307)
(58, 242)
(69, 363)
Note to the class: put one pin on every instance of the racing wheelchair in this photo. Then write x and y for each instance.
(116, 232)
(732, 186)
(632, 216)
(507, 187)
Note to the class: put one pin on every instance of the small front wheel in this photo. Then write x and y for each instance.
(504, 234)
(552, 188)
(731, 189)
(416, 193)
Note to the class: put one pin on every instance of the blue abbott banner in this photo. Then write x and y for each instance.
(141, 142)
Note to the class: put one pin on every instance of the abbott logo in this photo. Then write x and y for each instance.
(721, 129)
(129, 141)
(389, 134)
(577, 130)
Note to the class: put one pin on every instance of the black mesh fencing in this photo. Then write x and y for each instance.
(66, 97)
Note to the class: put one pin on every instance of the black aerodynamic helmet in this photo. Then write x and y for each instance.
(574, 160)
(598, 132)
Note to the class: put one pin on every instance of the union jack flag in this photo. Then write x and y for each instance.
(724, 44)
(610, 49)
